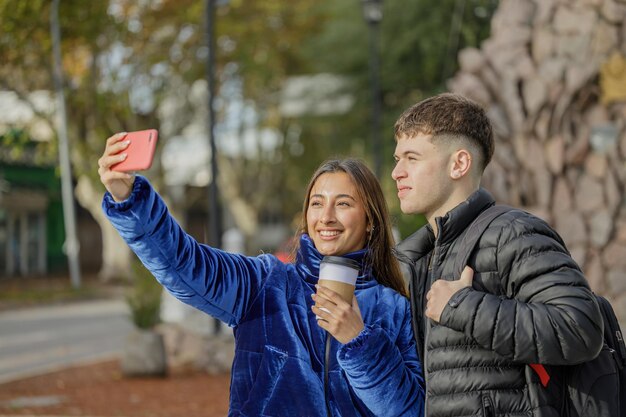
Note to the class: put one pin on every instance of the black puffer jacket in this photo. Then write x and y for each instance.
(529, 303)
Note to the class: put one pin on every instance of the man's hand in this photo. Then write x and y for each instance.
(342, 320)
(441, 292)
(119, 184)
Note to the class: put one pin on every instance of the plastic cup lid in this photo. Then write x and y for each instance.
(350, 263)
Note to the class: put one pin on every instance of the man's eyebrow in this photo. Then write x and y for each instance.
(405, 153)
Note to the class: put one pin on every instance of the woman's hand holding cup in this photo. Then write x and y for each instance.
(335, 306)
(338, 317)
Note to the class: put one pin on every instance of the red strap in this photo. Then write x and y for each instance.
(542, 373)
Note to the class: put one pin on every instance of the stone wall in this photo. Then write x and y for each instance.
(552, 76)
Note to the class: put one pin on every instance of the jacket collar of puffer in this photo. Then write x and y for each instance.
(451, 225)
(308, 263)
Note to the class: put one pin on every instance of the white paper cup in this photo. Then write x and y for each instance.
(339, 274)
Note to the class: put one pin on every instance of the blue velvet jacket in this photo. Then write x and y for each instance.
(280, 352)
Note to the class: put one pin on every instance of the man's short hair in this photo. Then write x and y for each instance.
(449, 115)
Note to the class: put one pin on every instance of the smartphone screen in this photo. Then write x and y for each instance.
(140, 151)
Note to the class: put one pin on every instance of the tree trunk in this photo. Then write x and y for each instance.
(115, 252)
(244, 214)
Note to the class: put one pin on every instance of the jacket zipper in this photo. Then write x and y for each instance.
(326, 370)
(427, 285)
(426, 334)
(488, 410)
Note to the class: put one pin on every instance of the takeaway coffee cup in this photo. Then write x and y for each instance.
(339, 274)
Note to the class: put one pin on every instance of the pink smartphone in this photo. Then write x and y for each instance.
(139, 152)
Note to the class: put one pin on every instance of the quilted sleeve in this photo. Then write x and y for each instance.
(385, 374)
(547, 315)
(217, 282)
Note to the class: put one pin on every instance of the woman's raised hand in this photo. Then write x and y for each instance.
(339, 318)
(119, 184)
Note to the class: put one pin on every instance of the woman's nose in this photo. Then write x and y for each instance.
(328, 215)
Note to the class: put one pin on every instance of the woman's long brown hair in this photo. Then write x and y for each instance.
(384, 265)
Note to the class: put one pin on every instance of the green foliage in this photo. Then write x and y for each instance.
(408, 223)
(418, 52)
(144, 298)
(17, 146)
(263, 38)
(111, 47)
(415, 47)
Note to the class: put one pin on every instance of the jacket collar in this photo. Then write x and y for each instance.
(308, 262)
(450, 226)
(454, 222)
(418, 244)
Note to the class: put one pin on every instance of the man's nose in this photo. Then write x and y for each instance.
(398, 171)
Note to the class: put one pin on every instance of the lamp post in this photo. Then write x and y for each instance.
(215, 232)
(215, 212)
(69, 216)
(373, 14)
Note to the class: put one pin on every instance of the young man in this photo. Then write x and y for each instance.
(521, 300)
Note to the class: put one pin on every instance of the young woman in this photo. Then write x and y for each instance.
(291, 357)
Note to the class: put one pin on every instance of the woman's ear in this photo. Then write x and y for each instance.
(461, 164)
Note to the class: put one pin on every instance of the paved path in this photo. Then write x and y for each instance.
(43, 339)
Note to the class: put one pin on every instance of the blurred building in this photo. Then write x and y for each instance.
(32, 232)
(31, 218)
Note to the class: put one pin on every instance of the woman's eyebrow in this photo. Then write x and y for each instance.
(346, 196)
(338, 196)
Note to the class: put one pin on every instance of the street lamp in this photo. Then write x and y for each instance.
(373, 11)
(373, 14)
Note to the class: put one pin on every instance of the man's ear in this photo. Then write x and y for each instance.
(461, 164)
